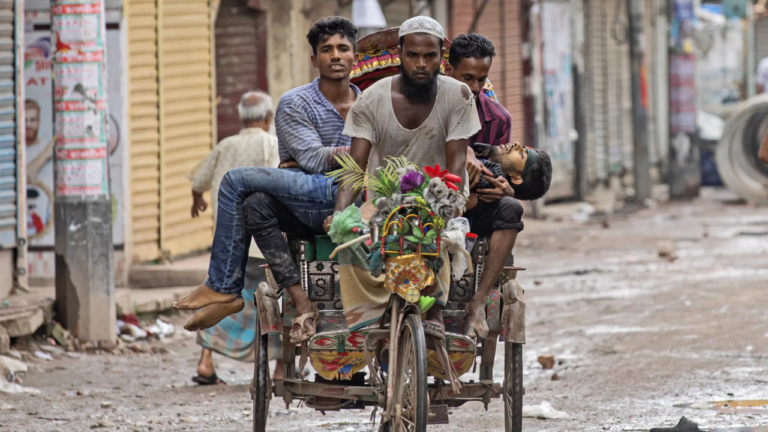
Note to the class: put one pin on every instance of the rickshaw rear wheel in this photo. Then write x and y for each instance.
(261, 390)
(513, 387)
(410, 391)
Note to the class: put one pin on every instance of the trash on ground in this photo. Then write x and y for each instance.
(162, 329)
(547, 361)
(544, 412)
(13, 388)
(44, 356)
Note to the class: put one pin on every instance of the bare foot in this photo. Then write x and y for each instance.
(201, 297)
(478, 327)
(211, 315)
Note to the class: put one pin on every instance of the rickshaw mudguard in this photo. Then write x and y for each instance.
(270, 320)
(513, 312)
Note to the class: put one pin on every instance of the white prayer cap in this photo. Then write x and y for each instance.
(422, 24)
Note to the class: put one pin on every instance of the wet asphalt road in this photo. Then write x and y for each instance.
(638, 338)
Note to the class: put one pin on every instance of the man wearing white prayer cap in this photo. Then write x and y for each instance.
(419, 114)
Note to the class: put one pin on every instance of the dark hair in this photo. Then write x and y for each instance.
(330, 26)
(537, 181)
(402, 39)
(471, 45)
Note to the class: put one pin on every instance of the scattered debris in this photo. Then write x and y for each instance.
(666, 250)
(9, 365)
(13, 388)
(543, 412)
(162, 329)
(537, 282)
(106, 404)
(44, 356)
(555, 377)
(547, 361)
(103, 424)
(61, 336)
(6, 407)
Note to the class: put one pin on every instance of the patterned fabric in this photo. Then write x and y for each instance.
(252, 147)
(365, 298)
(310, 129)
(496, 123)
(235, 335)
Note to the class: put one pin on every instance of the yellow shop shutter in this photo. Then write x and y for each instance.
(143, 124)
(185, 68)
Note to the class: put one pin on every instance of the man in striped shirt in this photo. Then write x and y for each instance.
(494, 212)
(296, 198)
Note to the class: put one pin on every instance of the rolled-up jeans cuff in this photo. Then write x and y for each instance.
(238, 293)
(293, 280)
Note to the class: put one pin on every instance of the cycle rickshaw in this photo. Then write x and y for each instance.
(394, 351)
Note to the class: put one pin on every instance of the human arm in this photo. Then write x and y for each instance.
(456, 158)
(201, 177)
(763, 153)
(299, 137)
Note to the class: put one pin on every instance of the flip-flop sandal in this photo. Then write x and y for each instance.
(208, 380)
(434, 329)
(305, 330)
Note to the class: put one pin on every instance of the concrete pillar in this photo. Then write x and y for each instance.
(85, 283)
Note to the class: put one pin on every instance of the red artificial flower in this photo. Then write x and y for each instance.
(451, 185)
(452, 178)
(434, 171)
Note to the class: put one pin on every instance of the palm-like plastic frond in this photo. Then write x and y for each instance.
(350, 174)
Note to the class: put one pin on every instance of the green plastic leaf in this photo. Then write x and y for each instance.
(412, 239)
(426, 241)
(393, 246)
(417, 232)
(432, 234)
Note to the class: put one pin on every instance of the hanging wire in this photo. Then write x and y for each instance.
(620, 27)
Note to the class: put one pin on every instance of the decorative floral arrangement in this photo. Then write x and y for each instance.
(401, 183)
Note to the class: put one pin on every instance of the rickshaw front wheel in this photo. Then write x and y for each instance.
(261, 387)
(410, 392)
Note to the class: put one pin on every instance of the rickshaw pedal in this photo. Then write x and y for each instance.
(438, 414)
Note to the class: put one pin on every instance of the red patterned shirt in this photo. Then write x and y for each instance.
(496, 123)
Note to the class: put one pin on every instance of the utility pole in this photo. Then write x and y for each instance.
(85, 283)
(642, 170)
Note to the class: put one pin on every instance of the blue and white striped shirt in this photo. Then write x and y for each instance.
(309, 129)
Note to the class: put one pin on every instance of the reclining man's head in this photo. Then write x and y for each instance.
(421, 50)
(528, 170)
(256, 110)
(469, 61)
(333, 41)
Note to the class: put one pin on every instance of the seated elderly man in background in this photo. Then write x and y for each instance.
(234, 337)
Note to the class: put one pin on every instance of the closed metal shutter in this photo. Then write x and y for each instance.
(143, 123)
(9, 147)
(240, 61)
(185, 69)
(596, 90)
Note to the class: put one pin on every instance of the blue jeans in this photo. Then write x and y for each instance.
(305, 199)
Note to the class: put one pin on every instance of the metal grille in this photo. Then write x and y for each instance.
(185, 69)
(8, 144)
(143, 128)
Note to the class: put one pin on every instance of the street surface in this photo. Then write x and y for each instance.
(645, 316)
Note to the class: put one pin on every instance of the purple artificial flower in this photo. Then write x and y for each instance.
(410, 181)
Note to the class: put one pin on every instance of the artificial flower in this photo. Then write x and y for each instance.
(434, 171)
(410, 181)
